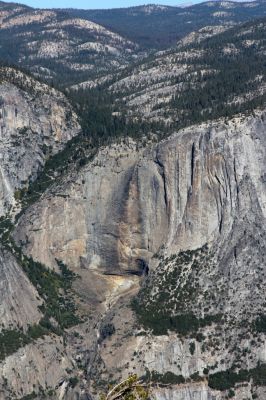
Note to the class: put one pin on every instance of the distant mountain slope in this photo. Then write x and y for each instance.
(59, 47)
(201, 79)
(215, 72)
(161, 26)
(66, 47)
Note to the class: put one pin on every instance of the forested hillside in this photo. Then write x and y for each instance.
(59, 48)
(154, 26)
(220, 76)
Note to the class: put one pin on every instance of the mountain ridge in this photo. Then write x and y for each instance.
(67, 47)
(165, 27)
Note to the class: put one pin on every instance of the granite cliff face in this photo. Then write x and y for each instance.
(35, 123)
(203, 186)
(15, 287)
(180, 194)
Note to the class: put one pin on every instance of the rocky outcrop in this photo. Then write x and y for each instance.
(133, 204)
(189, 190)
(35, 123)
(198, 392)
(18, 298)
(36, 368)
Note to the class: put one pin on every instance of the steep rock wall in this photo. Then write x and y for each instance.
(35, 123)
(180, 194)
(205, 184)
(18, 298)
(38, 366)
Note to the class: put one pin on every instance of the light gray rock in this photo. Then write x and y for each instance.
(38, 365)
(191, 189)
(35, 123)
(18, 298)
(204, 184)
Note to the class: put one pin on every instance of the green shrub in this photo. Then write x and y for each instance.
(192, 348)
(11, 340)
(30, 396)
(183, 324)
(259, 324)
(155, 311)
(225, 380)
(55, 290)
(169, 378)
(36, 331)
(73, 381)
(106, 331)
